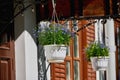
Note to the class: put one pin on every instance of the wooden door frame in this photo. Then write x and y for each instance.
(7, 49)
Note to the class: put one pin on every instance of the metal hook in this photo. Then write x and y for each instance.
(103, 21)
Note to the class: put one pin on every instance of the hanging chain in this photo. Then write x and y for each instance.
(54, 16)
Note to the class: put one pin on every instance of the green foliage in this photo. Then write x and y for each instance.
(54, 34)
(96, 50)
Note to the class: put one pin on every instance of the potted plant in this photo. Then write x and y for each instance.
(55, 38)
(98, 54)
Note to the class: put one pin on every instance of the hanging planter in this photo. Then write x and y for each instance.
(55, 53)
(55, 38)
(100, 63)
(98, 54)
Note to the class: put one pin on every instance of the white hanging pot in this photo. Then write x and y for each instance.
(100, 63)
(55, 53)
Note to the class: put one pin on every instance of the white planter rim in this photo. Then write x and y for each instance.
(55, 53)
(61, 45)
(101, 57)
(100, 63)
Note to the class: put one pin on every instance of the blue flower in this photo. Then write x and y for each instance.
(50, 33)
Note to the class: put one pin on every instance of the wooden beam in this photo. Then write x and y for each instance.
(72, 7)
(107, 7)
(80, 7)
(114, 7)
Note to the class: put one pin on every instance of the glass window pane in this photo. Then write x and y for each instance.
(68, 71)
(118, 43)
(68, 51)
(76, 47)
(76, 70)
(119, 56)
(68, 27)
(76, 44)
(118, 36)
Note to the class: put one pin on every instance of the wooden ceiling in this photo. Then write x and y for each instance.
(93, 7)
(64, 8)
(75, 8)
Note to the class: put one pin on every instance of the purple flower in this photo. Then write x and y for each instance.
(48, 33)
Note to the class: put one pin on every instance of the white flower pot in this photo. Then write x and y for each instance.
(55, 53)
(100, 63)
